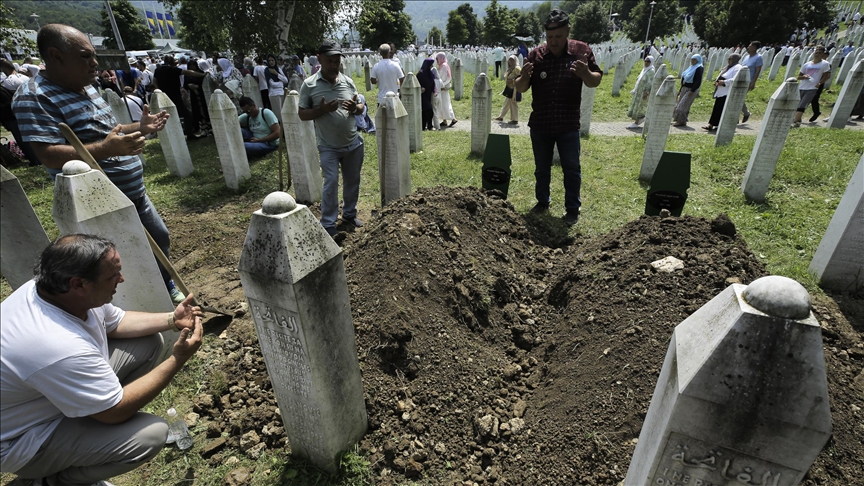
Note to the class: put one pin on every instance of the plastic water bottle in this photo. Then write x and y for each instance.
(178, 431)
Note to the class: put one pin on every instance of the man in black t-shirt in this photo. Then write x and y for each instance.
(167, 79)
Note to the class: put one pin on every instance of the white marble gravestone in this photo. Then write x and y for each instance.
(769, 142)
(458, 79)
(208, 86)
(394, 158)
(848, 96)
(835, 67)
(839, 261)
(229, 140)
(301, 147)
(411, 100)
(171, 138)
(293, 276)
(659, 76)
(732, 107)
(742, 398)
(252, 89)
(793, 67)
(118, 107)
(658, 129)
(367, 77)
(85, 201)
(776, 64)
(586, 108)
(620, 76)
(481, 114)
(295, 82)
(22, 236)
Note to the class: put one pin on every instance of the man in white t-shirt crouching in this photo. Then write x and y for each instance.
(75, 370)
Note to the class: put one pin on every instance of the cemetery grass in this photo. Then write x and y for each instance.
(466, 334)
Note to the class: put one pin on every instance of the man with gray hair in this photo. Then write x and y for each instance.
(386, 73)
(76, 370)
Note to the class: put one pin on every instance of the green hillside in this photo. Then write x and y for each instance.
(424, 15)
(81, 14)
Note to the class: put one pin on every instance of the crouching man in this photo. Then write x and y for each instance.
(75, 370)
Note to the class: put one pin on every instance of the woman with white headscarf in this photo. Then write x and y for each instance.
(691, 80)
(640, 93)
(512, 96)
(446, 111)
(229, 80)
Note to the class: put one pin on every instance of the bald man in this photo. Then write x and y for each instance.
(64, 93)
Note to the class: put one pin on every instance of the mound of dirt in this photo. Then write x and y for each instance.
(495, 349)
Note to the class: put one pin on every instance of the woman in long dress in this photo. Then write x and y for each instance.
(229, 80)
(512, 96)
(276, 82)
(691, 79)
(447, 82)
(640, 93)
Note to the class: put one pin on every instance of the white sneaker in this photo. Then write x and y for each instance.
(633, 125)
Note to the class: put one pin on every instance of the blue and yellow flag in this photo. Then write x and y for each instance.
(151, 22)
(169, 20)
(161, 20)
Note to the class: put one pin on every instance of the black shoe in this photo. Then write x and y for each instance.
(331, 230)
(540, 208)
(746, 117)
(571, 217)
(355, 221)
(815, 116)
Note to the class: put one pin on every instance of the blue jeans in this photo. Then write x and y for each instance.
(351, 160)
(154, 225)
(255, 149)
(543, 144)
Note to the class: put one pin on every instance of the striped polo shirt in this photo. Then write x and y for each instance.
(41, 105)
(557, 93)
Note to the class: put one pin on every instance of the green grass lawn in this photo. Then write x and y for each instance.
(784, 231)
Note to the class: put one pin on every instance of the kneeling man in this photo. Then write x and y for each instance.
(260, 128)
(75, 370)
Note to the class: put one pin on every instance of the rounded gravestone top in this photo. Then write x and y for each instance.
(390, 94)
(217, 91)
(75, 167)
(157, 90)
(792, 80)
(278, 203)
(779, 297)
(293, 92)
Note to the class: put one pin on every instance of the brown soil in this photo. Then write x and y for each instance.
(496, 349)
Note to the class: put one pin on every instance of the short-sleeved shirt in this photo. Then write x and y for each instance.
(52, 365)
(335, 130)
(41, 105)
(387, 74)
(752, 63)
(168, 81)
(260, 125)
(557, 93)
(815, 71)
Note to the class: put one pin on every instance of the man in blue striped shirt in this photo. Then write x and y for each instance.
(64, 93)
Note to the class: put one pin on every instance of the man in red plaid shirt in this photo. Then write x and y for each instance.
(556, 71)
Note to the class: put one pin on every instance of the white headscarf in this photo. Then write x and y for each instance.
(645, 68)
(204, 65)
(226, 66)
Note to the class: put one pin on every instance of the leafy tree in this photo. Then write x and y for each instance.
(136, 36)
(665, 21)
(384, 21)
(591, 23)
(731, 22)
(529, 24)
(499, 24)
(475, 28)
(543, 10)
(436, 36)
(271, 26)
(457, 29)
(195, 33)
(12, 40)
(570, 6)
(81, 14)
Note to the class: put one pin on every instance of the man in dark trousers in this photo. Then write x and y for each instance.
(167, 79)
(556, 72)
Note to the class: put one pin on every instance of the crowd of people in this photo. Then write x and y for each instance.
(98, 364)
